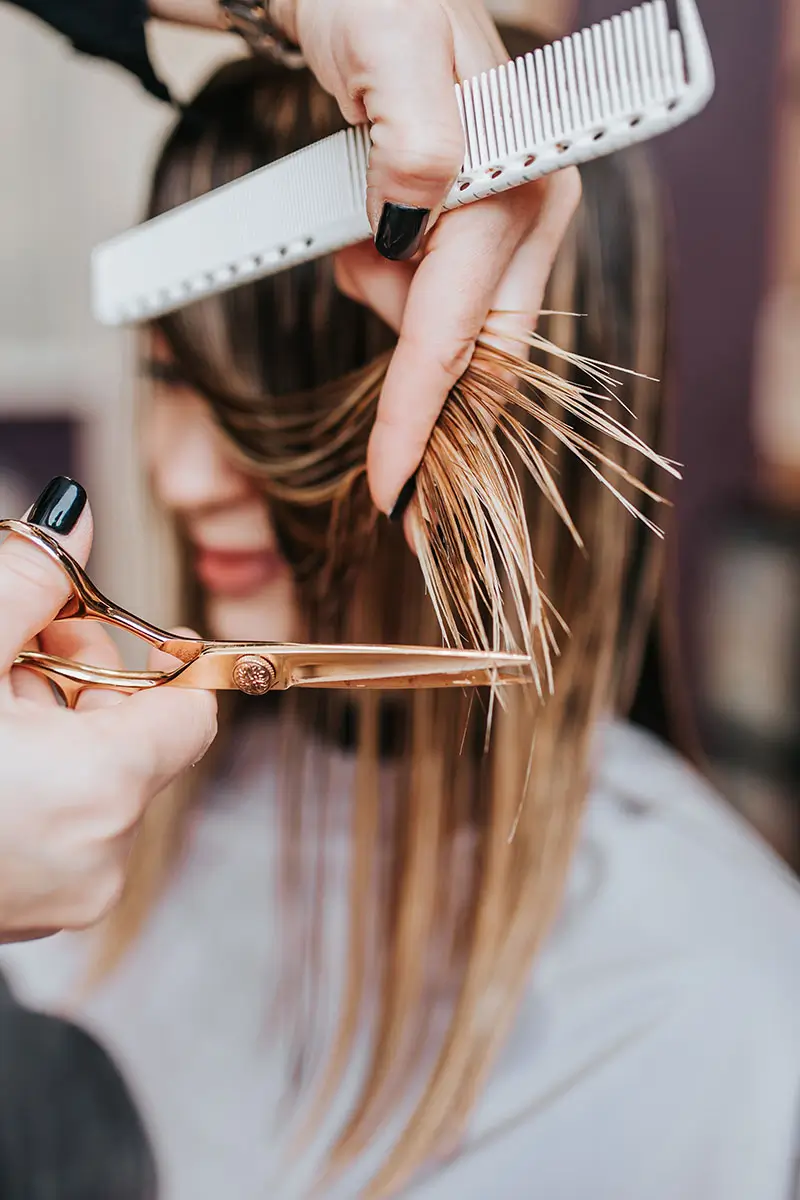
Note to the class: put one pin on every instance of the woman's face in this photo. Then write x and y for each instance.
(248, 586)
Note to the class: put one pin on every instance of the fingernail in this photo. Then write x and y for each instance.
(59, 506)
(401, 230)
(404, 499)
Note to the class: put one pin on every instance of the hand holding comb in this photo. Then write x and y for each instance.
(623, 81)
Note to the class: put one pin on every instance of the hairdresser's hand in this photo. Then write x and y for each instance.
(394, 63)
(73, 785)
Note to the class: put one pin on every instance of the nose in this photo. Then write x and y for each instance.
(188, 459)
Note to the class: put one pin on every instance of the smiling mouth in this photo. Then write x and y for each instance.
(237, 573)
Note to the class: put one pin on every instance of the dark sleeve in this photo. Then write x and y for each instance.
(69, 1126)
(110, 29)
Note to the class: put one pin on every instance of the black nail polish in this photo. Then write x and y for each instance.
(59, 506)
(401, 230)
(404, 499)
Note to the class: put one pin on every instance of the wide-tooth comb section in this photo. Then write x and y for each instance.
(618, 69)
(621, 81)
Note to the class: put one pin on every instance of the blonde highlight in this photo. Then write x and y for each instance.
(524, 538)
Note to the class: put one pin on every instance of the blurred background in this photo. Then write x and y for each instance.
(77, 139)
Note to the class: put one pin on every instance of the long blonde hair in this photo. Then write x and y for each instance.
(474, 833)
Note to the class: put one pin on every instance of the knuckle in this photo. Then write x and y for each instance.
(426, 159)
(32, 571)
(449, 359)
(455, 363)
(126, 809)
(455, 360)
(98, 899)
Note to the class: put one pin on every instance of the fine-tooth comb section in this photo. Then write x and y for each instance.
(622, 81)
(304, 206)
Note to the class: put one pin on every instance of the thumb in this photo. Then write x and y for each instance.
(157, 733)
(32, 587)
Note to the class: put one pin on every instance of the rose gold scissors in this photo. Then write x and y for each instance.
(251, 667)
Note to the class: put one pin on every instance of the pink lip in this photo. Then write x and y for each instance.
(238, 573)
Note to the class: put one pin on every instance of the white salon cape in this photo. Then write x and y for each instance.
(656, 1055)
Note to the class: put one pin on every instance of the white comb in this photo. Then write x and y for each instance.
(601, 89)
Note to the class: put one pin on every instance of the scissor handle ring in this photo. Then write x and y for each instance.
(85, 601)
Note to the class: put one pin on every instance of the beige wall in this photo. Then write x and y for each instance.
(76, 141)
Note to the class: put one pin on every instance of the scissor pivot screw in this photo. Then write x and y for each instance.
(254, 675)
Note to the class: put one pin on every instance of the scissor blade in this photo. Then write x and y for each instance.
(403, 667)
(276, 667)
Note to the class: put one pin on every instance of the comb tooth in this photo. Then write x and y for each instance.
(552, 92)
(652, 53)
(544, 102)
(611, 66)
(509, 124)
(678, 68)
(536, 106)
(480, 120)
(591, 76)
(633, 66)
(641, 56)
(526, 100)
(488, 121)
(571, 85)
(483, 119)
(465, 166)
(509, 127)
(364, 145)
(510, 75)
(568, 121)
(498, 124)
(580, 71)
(472, 106)
(352, 159)
(361, 158)
(602, 77)
(472, 129)
(622, 64)
(662, 40)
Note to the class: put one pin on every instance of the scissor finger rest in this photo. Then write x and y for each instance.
(71, 679)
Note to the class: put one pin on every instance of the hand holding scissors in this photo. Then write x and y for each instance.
(254, 668)
(74, 785)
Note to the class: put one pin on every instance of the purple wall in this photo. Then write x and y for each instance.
(717, 173)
